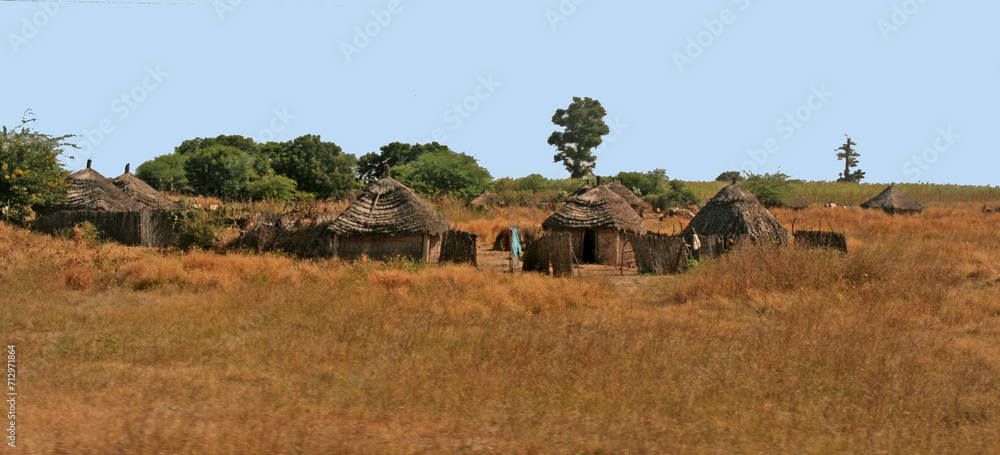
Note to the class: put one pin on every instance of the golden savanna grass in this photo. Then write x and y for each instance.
(889, 349)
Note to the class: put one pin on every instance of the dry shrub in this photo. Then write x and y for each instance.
(889, 349)
(154, 272)
(79, 278)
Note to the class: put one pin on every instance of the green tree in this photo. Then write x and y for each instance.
(317, 167)
(165, 172)
(444, 172)
(771, 190)
(30, 173)
(729, 176)
(220, 170)
(850, 158)
(583, 125)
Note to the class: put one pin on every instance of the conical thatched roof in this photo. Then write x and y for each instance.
(599, 208)
(798, 203)
(141, 192)
(894, 200)
(387, 207)
(735, 213)
(630, 197)
(583, 189)
(89, 190)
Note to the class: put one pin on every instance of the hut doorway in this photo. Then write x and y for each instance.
(589, 254)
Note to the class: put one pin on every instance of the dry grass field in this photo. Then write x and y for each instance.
(893, 348)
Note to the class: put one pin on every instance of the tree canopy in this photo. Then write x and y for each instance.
(583, 125)
(371, 165)
(444, 172)
(318, 167)
(220, 170)
(165, 172)
(30, 172)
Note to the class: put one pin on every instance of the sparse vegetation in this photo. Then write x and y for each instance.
(890, 348)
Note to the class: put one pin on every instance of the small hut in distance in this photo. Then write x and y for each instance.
(736, 214)
(893, 201)
(141, 192)
(799, 203)
(597, 220)
(385, 221)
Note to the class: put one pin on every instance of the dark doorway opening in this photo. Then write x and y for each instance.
(589, 255)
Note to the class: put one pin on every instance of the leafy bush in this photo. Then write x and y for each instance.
(658, 189)
(195, 229)
(272, 187)
(771, 190)
(30, 173)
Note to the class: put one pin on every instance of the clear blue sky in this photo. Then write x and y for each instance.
(915, 82)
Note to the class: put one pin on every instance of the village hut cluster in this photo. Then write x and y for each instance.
(600, 224)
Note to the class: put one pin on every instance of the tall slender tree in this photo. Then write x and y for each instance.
(850, 158)
(583, 124)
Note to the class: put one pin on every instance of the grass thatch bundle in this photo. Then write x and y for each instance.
(636, 202)
(821, 239)
(659, 254)
(388, 207)
(735, 213)
(893, 201)
(551, 253)
(89, 190)
(141, 192)
(598, 208)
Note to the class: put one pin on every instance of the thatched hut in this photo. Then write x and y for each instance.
(89, 190)
(893, 201)
(598, 220)
(141, 192)
(799, 203)
(94, 199)
(736, 214)
(387, 220)
(637, 204)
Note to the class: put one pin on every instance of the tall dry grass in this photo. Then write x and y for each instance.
(889, 349)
